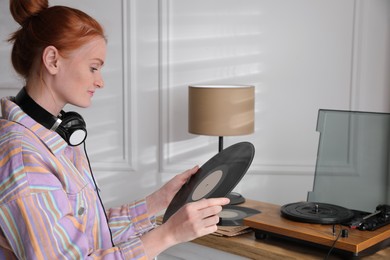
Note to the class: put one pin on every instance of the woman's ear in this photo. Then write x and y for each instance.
(50, 59)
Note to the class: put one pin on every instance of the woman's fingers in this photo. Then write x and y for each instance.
(207, 203)
(188, 173)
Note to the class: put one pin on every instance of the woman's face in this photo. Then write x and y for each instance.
(80, 74)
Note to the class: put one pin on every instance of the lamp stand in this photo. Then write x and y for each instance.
(220, 144)
(235, 197)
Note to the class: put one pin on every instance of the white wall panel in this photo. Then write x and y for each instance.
(9, 81)
(372, 56)
(298, 54)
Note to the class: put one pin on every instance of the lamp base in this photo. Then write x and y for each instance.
(235, 198)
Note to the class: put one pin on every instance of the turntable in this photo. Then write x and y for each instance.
(270, 224)
(352, 178)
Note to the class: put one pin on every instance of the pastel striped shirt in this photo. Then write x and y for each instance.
(49, 208)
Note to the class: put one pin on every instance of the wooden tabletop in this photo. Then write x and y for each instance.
(247, 245)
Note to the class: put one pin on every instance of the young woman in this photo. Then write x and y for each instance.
(49, 204)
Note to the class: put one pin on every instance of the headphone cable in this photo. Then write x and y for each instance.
(98, 192)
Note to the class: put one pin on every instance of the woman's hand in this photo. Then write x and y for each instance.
(193, 220)
(160, 199)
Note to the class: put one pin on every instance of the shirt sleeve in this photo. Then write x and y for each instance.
(130, 221)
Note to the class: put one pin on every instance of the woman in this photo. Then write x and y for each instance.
(49, 206)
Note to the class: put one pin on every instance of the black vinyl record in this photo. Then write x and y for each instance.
(318, 213)
(232, 215)
(216, 178)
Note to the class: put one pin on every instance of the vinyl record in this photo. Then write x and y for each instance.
(319, 213)
(232, 215)
(216, 178)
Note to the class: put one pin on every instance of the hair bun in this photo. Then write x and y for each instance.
(22, 10)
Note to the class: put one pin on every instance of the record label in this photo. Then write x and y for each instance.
(207, 185)
(228, 214)
(216, 178)
(232, 215)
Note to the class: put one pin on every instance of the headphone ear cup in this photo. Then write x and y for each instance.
(72, 128)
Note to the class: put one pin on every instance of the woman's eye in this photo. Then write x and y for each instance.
(93, 69)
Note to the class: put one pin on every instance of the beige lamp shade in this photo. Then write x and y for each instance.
(221, 110)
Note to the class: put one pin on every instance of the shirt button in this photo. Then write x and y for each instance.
(81, 211)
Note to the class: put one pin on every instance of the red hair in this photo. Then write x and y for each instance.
(63, 27)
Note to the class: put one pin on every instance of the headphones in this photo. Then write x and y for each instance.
(69, 125)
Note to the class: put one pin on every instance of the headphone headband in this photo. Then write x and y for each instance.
(69, 125)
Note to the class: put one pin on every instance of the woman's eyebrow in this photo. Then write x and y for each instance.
(99, 60)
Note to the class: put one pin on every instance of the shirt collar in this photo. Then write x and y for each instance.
(12, 112)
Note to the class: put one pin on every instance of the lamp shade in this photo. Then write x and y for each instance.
(221, 110)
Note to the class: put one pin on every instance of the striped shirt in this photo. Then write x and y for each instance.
(49, 208)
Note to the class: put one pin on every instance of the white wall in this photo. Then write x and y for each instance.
(301, 55)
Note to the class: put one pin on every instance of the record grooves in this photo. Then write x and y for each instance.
(216, 178)
(316, 212)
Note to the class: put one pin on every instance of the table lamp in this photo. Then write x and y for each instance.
(221, 110)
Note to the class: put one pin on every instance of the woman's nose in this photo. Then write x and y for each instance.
(99, 83)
